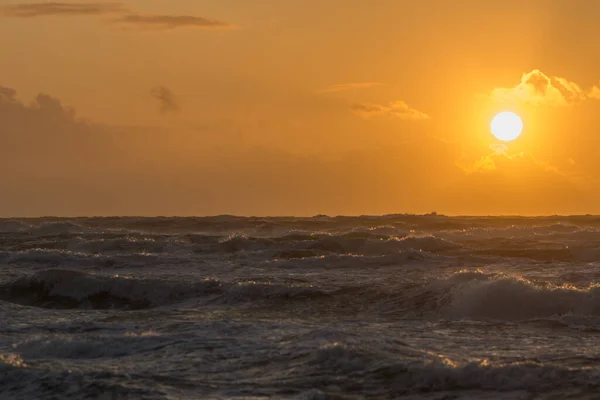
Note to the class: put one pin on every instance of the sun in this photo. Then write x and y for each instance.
(507, 126)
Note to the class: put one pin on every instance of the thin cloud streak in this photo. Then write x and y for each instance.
(149, 21)
(30, 10)
(488, 163)
(172, 22)
(349, 86)
(397, 109)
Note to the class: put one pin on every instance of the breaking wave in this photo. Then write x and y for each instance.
(410, 371)
(20, 380)
(56, 288)
(479, 295)
(57, 228)
(354, 243)
(12, 226)
(67, 289)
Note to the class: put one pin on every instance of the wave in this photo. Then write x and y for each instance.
(296, 244)
(65, 258)
(380, 230)
(20, 380)
(12, 226)
(305, 259)
(238, 242)
(68, 289)
(487, 233)
(418, 372)
(463, 295)
(128, 244)
(318, 244)
(56, 288)
(481, 377)
(49, 257)
(88, 347)
(479, 295)
(56, 228)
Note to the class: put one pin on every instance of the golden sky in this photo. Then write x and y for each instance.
(298, 107)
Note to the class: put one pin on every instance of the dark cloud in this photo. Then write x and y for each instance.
(166, 98)
(7, 94)
(30, 10)
(27, 10)
(46, 138)
(173, 21)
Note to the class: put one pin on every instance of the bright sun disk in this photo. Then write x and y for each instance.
(507, 126)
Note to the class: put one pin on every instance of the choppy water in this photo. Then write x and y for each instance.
(225, 307)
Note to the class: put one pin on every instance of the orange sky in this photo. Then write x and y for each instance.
(270, 107)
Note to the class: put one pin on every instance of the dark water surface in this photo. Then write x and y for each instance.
(421, 307)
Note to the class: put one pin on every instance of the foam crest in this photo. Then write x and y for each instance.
(395, 376)
(428, 243)
(481, 376)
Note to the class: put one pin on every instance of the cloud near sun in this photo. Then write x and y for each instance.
(31, 10)
(501, 158)
(397, 109)
(349, 86)
(538, 89)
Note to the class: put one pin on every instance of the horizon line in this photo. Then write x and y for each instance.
(431, 214)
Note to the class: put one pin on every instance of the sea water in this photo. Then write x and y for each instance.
(398, 306)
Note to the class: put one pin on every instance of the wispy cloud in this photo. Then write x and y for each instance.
(29, 10)
(500, 153)
(163, 22)
(173, 21)
(166, 99)
(397, 109)
(487, 162)
(538, 88)
(349, 86)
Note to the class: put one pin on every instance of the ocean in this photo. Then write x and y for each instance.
(382, 307)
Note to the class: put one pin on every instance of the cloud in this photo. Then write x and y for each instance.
(28, 10)
(539, 89)
(594, 93)
(349, 86)
(166, 98)
(502, 160)
(173, 21)
(62, 165)
(487, 162)
(46, 133)
(397, 109)
(7, 94)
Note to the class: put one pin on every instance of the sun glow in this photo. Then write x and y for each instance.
(507, 126)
